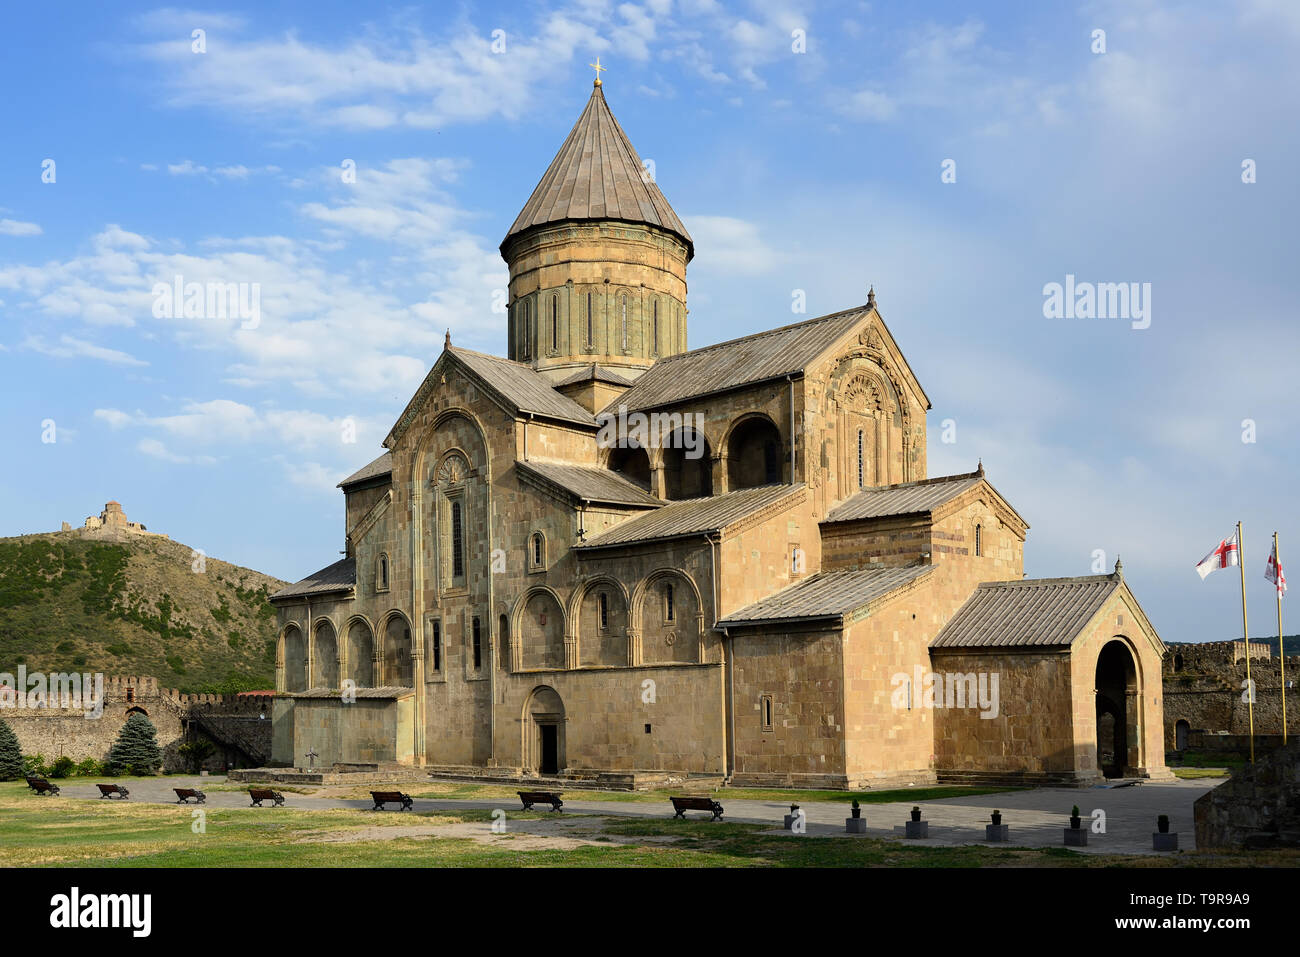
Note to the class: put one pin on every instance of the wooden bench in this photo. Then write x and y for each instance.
(42, 786)
(183, 795)
(265, 794)
(541, 797)
(391, 797)
(683, 804)
(112, 791)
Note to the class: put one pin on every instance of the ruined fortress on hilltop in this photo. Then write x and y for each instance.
(111, 523)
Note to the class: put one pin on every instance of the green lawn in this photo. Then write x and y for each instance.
(1188, 774)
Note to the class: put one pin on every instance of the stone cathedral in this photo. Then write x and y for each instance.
(608, 554)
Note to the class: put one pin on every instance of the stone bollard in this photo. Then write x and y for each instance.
(855, 825)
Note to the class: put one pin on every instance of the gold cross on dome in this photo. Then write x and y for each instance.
(598, 68)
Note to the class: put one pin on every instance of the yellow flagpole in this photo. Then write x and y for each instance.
(1281, 649)
(1245, 632)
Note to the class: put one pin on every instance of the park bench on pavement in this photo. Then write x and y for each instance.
(42, 786)
(541, 797)
(683, 804)
(183, 795)
(265, 794)
(112, 791)
(391, 797)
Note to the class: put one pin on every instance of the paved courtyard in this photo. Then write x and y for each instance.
(1036, 816)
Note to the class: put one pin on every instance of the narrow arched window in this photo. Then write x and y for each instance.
(591, 323)
(383, 571)
(861, 451)
(478, 645)
(978, 543)
(527, 336)
(668, 602)
(625, 323)
(604, 611)
(555, 325)
(437, 646)
(538, 550)
(457, 542)
(654, 328)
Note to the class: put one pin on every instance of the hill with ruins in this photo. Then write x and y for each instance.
(111, 597)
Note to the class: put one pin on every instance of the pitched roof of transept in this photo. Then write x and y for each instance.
(521, 386)
(695, 516)
(826, 595)
(771, 354)
(379, 467)
(1029, 612)
(338, 577)
(597, 174)
(590, 484)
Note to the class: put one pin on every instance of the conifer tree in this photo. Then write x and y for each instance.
(136, 749)
(11, 756)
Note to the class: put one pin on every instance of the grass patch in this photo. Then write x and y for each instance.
(1212, 759)
(1189, 774)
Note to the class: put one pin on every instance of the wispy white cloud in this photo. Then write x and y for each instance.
(69, 347)
(12, 227)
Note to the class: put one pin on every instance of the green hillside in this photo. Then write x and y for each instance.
(135, 607)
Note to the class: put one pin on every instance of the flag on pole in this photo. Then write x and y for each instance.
(1224, 555)
(1273, 572)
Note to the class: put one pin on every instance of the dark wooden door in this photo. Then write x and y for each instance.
(550, 749)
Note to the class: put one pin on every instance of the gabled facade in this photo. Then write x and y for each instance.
(607, 553)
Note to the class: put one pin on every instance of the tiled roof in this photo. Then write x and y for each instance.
(380, 466)
(694, 516)
(592, 484)
(1031, 612)
(903, 499)
(597, 174)
(827, 595)
(597, 372)
(728, 365)
(388, 691)
(521, 386)
(341, 576)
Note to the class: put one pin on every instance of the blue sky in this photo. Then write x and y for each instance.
(817, 171)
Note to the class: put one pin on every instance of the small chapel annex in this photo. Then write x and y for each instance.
(764, 585)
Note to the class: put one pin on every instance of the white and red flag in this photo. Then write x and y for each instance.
(1273, 572)
(1224, 556)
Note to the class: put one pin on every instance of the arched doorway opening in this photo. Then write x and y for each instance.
(1119, 707)
(688, 465)
(543, 744)
(631, 462)
(1181, 730)
(754, 454)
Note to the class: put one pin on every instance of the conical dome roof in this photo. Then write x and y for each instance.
(597, 174)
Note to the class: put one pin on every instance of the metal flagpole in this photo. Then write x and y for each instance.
(1281, 649)
(1245, 632)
